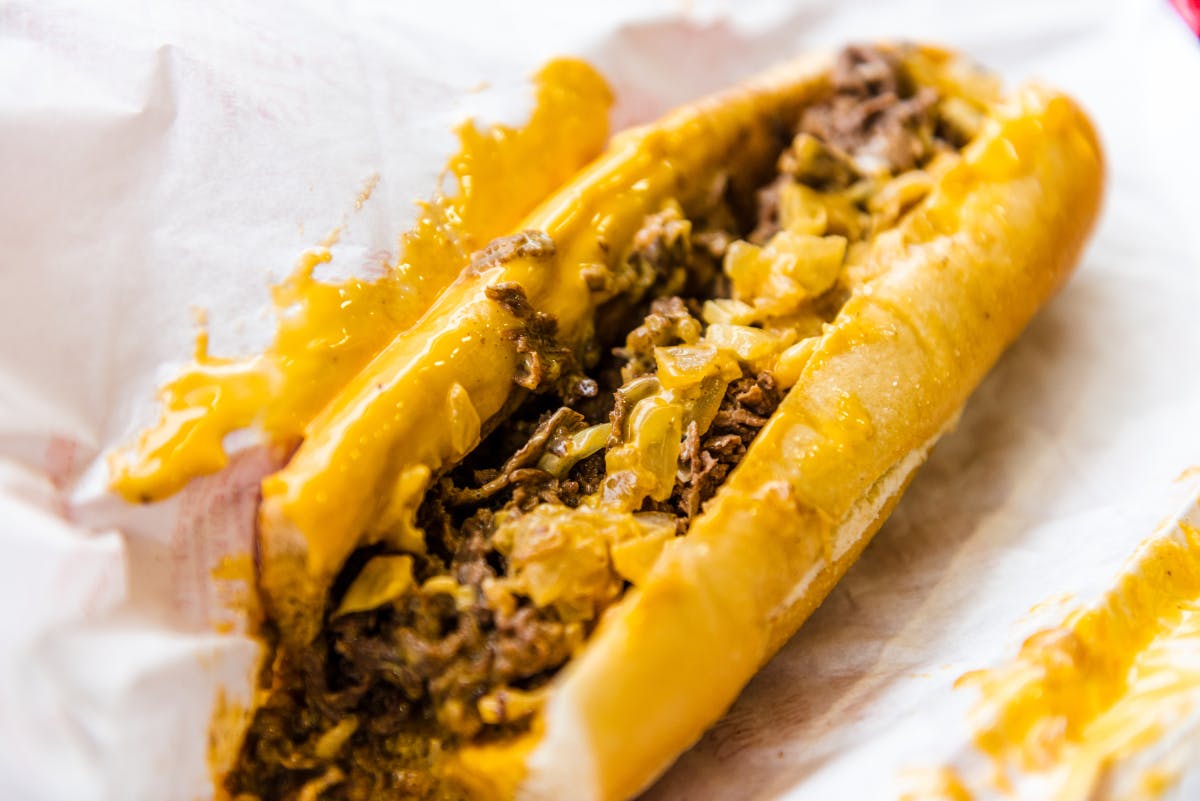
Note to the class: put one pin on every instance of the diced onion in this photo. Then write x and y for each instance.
(791, 362)
(789, 270)
(634, 557)
(558, 556)
(381, 581)
(811, 262)
(750, 344)
(508, 704)
(577, 447)
(801, 210)
(727, 310)
(331, 741)
(898, 196)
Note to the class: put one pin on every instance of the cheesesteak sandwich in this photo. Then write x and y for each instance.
(544, 538)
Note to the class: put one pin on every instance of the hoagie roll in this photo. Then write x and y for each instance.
(548, 533)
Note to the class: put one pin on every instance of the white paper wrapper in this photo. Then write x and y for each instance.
(155, 158)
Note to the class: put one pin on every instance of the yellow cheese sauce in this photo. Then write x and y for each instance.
(1084, 696)
(326, 333)
(349, 483)
(934, 784)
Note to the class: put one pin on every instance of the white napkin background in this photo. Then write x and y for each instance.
(157, 157)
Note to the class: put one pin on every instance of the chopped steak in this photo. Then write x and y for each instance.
(511, 296)
(874, 115)
(544, 360)
(444, 654)
(533, 244)
(661, 250)
(767, 224)
(748, 403)
(518, 470)
(669, 322)
(403, 669)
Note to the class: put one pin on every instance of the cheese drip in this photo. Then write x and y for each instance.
(1086, 696)
(327, 332)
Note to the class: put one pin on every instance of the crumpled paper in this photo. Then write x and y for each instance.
(156, 158)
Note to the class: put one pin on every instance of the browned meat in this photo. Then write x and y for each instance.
(874, 114)
(398, 671)
(511, 296)
(534, 244)
(749, 402)
(544, 360)
(584, 480)
(517, 469)
(443, 656)
(661, 251)
(669, 322)
(768, 211)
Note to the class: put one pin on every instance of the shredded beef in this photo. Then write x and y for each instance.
(511, 296)
(399, 670)
(517, 470)
(874, 114)
(584, 480)
(533, 244)
(669, 322)
(706, 460)
(873, 122)
(544, 360)
(670, 255)
(444, 656)
(578, 388)
(767, 224)
(661, 251)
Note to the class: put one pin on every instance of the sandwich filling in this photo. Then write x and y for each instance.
(606, 457)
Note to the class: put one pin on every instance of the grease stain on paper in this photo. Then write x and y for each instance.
(236, 574)
(230, 718)
(327, 332)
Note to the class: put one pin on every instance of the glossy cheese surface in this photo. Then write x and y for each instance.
(327, 332)
(1104, 684)
(419, 405)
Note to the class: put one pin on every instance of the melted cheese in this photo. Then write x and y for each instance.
(326, 333)
(1106, 683)
(934, 784)
(350, 481)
